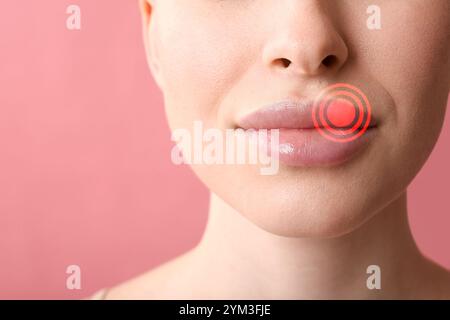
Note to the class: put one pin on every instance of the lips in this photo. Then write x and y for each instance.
(287, 114)
(283, 114)
(300, 142)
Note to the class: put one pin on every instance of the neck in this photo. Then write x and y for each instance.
(244, 261)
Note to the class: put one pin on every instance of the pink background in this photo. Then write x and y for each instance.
(86, 176)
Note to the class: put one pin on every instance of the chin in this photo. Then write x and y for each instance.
(307, 217)
(299, 205)
(303, 223)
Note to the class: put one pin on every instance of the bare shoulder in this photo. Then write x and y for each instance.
(153, 284)
(437, 285)
(445, 284)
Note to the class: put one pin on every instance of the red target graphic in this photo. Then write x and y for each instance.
(341, 112)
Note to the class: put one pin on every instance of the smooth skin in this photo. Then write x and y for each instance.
(309, 232)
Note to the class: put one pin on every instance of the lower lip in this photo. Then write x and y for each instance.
(308, 147)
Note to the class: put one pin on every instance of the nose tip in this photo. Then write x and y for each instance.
(312, 68)
(310, 47)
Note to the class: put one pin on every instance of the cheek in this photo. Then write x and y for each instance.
(200, 60)
(413, 51)
(420, 79)
(410, 57)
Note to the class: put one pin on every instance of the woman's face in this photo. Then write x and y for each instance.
(218, 60)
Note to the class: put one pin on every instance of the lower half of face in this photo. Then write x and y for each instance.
(222, 60)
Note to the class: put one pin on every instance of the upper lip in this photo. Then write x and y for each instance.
(288, 114)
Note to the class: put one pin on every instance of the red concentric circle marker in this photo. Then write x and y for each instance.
(325, 117)
(341, 113)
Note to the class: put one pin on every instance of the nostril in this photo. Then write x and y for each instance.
(330, 61)
(283, 62)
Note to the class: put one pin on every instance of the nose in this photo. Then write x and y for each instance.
(303, 41)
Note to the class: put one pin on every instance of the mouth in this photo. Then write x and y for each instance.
(298, 114)
(299, 141)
